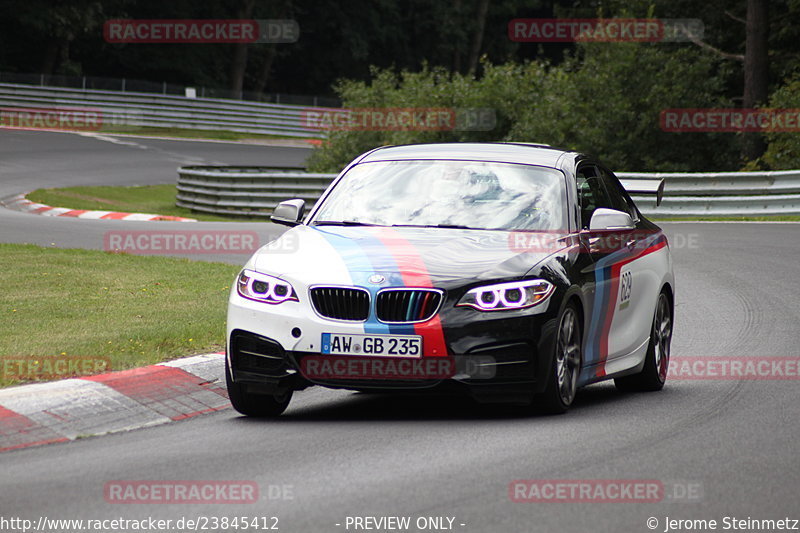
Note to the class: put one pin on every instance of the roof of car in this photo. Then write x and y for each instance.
(526, 153)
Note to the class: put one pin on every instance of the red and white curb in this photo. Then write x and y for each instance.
(59, 411)
(20, 203)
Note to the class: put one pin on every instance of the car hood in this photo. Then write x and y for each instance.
(401, 256)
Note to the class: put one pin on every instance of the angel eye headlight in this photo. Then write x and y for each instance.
(264, 288)
(513, 295)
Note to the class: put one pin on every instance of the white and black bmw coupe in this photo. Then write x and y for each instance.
(512, 272)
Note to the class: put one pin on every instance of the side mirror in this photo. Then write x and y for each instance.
(289, 213)
(610, 219)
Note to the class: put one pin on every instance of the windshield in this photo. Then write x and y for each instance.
(470, 194)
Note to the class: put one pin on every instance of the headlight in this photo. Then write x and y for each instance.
(264, 288)
(513, 295)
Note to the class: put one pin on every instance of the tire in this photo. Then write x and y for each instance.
(562, 383)
(256, 405)
(656, 361)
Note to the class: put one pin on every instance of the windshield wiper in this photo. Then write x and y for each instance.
(341, 223)
(448, 226)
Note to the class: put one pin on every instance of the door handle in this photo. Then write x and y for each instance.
(630, 244)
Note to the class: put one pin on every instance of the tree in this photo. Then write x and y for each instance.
(239, 63)
(607, 99)
(756, 70)
(783, 151)
(477, 39)
(270, 51)
(755, 62)
(57, 25)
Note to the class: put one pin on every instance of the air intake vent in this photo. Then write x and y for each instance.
(253, 353)
(407, 305)
(341, 303)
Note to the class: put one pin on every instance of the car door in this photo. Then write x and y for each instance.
(607, 338)
(634, 280)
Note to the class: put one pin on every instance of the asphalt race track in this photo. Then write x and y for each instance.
(733, 443)
(32, 160)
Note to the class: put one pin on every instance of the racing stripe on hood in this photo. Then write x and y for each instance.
(412, 269)
(607, 274)
(369, 250)
(360, 266)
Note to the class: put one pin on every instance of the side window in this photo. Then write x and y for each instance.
(591, 193)
(619, 198)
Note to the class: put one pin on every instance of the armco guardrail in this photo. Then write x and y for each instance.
(722, 193)
(101, 83)
(156, 110)
(249, 191)
(245, 191)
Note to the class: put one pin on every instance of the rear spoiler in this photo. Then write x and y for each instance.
(656, 186)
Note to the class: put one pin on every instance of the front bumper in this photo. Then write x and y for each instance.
(498, 355)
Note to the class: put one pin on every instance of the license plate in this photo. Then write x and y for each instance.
(374, 345)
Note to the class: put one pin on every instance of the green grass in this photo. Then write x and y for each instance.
(154, 199)
(134, 310)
